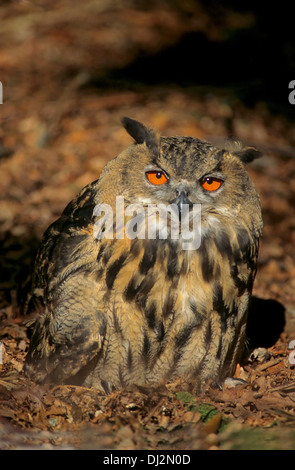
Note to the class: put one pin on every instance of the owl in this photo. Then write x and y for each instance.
(147, 304)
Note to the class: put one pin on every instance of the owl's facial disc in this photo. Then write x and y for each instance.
(157, 177)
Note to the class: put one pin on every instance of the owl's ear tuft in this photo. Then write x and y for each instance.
(141, 134)
(248, 154)
(245, 154)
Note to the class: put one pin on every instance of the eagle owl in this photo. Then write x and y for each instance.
(118, 310)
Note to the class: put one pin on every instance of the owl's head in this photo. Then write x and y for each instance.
(184, 170)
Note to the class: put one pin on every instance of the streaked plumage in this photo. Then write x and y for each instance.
(120, 311)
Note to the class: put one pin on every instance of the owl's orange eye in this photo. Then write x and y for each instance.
(211, 184)
(156, 177)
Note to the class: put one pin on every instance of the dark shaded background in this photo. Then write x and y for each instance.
(255, 61)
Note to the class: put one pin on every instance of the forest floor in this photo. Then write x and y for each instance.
(56, 135)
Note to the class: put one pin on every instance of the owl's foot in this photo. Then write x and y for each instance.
(104, 387)
(229, 382)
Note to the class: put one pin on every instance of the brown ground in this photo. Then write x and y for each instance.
(60, 123)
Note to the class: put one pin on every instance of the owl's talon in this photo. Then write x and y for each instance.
(232, 382)
(105, 387)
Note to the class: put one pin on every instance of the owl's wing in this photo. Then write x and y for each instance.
(68, 334)
(59, 252)
(62, 349)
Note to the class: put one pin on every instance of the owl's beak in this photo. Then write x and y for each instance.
(181, 201)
